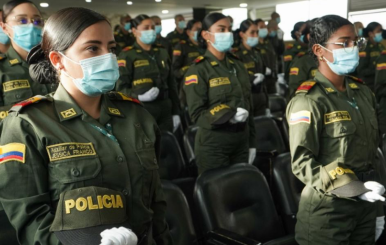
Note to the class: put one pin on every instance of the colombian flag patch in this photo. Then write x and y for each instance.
(12, 152)
(381, 66)
(122, 63)
(362, 54)
(300, 117)
(191, 80)
(176, 52)
(294, 71)
(288, 58)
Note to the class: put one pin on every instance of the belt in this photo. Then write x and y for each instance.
(229, 127)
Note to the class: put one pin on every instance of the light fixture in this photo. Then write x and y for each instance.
(158, 1)
(88, 1)
(44, 5)
(243, 5)
(165, 11)
(129, 3)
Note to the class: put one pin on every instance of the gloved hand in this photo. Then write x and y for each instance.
(280, 78)
(280, 34)
(149, 95)
(118, 236)
(259, 78)
(268, 71)
(379, 226)
(375, 194)
(252, 155)
(240, 116)
(176, 122)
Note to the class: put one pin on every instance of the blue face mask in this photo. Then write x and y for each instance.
(127, 26)
(99, 74)
(158, 29)
(345, 61)
(223, 41)
(301, 38)
(360, 32)
(263, 33)
(195, 36)
(278, 20)
(378, 37)
(272, 34)
(4, 39)
(27, 36)
(182, 24)
(148, 37)
(252, 41)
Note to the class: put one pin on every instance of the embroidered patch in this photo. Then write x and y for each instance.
(122, 63)
(15, 84)
(249, 65)
(177, 52)
(12, 152)
(70, 150)
(68, 113)
(353, 86)
(213, 63)
(336, 116)
(142, 81)
(191, 80)
(193, 54)
(114, 111)
(288, 58)
(294, 71)
(362, 54)
(14, 62)
(313, 73)
(140, 63)
(330, 90)
(219, 81)
(381, 66)
(305, 87)
(300, 117)
(218, 108)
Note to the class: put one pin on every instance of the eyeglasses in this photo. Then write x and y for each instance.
(348, 45)
(21, 20)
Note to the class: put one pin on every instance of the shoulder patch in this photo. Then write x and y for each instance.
(234, 50)
(182, 41)
(381, 66)
(122, 96)
(287, 58)
(383, 52)
(199, 59)
(289, 46)
(128, 48)
(301, 54)
(356, 79)
(12, 152)
(362, 54)
(19, 106)
(122, 63)
(305, 87)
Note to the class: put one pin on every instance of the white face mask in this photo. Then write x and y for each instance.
(344, 61)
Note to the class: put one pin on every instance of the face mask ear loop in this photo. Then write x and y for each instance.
(65, 73)
(328, 51)
(73, 61)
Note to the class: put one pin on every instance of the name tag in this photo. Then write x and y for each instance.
(219, 81)
(193, 55)
(70, 150)
(336, 116)
(15, 84)
(249, 65)
(140, 63)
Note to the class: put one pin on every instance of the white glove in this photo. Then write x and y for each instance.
(280, 78)
(252, 155)
(280, 34)
(379, 226)
(241, 116)
(268, 71)
(176, 122)
(375, 194)
(268, 112)
(259, 78)
(118, 236)
(149, 95)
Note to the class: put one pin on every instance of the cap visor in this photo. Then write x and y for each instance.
(225, 117)
(85, 236)
(352, 189)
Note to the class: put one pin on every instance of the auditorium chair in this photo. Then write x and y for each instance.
(189, 140)
(277, 105)
(172, 164)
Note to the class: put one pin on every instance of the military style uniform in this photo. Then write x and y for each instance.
(214, 90)
(49, 145)
(367, 62)
(303, 68)
(123, 40)
(16, 83)
(142, 70)
(175, 37)
(269, 57)
(289, 55)
(253, 62)
(380, 89)
(333, 141)
(163, 42)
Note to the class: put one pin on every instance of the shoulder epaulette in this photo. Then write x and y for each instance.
(301, 54)
(356, 79)
(158, 45)
(19, 106)
(289, 46)
(128, 48)
(199, 59)
(306, 86)
(233, 56)
(182, 41)
(234, 50)
(121, 96)
(384, 52)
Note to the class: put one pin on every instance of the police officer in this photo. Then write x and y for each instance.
(333, 140)
(160, 40)
(251, 57)
(368, 57)
(218, 95)
(19, 17)
(359, 28)
(123, 36)
(4, 39)
(380, 87)
(178, 34)
(275, 37)
(146, 73)
(82, 136)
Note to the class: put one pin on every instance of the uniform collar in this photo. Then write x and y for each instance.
(329, 88)
(14, 58)
(140, 49)
(213, 59)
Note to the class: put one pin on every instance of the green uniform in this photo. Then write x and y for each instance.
(303, 68)
(163, 42)
(16, 83)
(333, 138)
(175, 37)
(54, 146)
(270, 60)
(380, 89)
(214, 90)
(367, 62)
(254, 63)
(140, 71)
(289, 55)
(124, 39)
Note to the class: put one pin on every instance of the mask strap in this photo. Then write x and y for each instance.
(328, 51)
(73, 61)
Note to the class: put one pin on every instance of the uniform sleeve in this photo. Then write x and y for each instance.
(124, 83)
(364, 69)
(24, 186)
(179, 69)
(299, 73)
(380, 78)
(173, 93)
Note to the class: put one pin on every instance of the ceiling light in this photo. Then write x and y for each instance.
(44, 5)
(158, 1)
(129, 3)
(88, 1)
(243, 5)
(165, 11)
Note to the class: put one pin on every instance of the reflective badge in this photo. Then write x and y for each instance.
(12, 152)
(294, 71)
(191, 80)
(70, 150)
(68, 113)
(15, 84)
(122, 63)
(177, 52)
(114, 111)
(140, 63)
(287, 58)
(336, 116)
(215, 82)
(300, 117)
(381, 66)
(142, 81)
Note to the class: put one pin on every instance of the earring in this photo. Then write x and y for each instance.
(321, 58)
(207, 41)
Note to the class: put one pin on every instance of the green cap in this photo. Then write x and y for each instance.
(220, 114)
(82, 214)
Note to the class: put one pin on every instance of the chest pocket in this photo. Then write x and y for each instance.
(340, 129)
(16, 90)
(219, 86)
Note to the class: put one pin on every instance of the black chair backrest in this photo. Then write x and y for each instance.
(237, 199)
(178, 215)
(268, 135)
(189, 139)
(172, 164)
(7, 232)
(380, 166)
(277, 105)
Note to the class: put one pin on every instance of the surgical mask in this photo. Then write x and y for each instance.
(345, 61)
(127, 26)
(263, 33)
(4, 39)
(272, 34)
(378, 37)
(223, 41)
(27, 36)
(301, 38)
(148, 37)
(158, 29)
(278, 20)
(252, 41)
(360, 32)
(100, 74)
(195, 36)
(182, 24)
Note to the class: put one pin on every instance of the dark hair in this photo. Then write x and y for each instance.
(178, 15)
(306, 30)
(323, 28)
(208, 21)
(60, 32)
(258, 21)
(370, 28)
(244, 26)
(138, 20)
(190, 24)
(297, 27)
(9, 6)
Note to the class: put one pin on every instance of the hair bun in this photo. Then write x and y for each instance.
(35, 55)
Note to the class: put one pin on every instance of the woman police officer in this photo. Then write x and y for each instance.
(333, 140)
(81, 136)
(218, 94)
